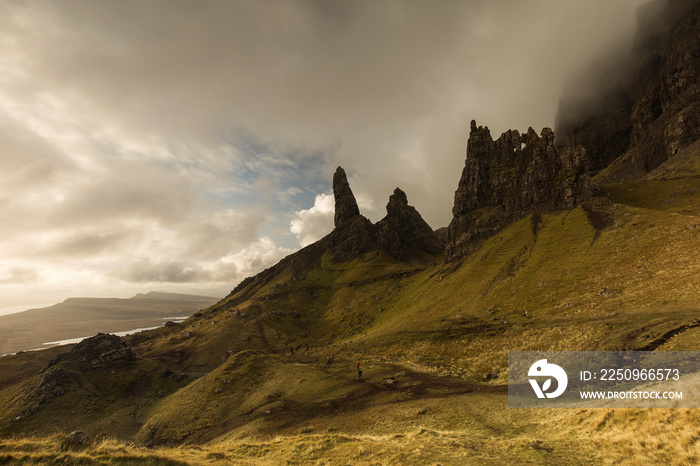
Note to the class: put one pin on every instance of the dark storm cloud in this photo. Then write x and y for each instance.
(316, 72)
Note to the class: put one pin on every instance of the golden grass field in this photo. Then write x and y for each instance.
(627, 437)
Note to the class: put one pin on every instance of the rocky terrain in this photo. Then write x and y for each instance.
(402, 232)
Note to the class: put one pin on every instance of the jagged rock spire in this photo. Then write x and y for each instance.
(396, 200)
(509, 178)
(403, 231)
(345, 204)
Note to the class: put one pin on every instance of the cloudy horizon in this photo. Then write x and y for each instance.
(182, 146)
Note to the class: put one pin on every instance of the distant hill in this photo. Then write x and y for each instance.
(83, 317)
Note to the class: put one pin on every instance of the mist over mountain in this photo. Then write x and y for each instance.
(639, 110)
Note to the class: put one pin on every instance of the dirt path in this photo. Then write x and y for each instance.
(653, 345)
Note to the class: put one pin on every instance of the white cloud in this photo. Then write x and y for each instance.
(312, 224)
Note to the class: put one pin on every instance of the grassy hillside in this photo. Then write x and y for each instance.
(492, 436)
(432, 338)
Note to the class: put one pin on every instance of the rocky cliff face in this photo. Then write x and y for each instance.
(601, 124)
(506, 179)
(653, 110)
(400, 233)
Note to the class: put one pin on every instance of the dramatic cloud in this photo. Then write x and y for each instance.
(313, 224)
(152, 144)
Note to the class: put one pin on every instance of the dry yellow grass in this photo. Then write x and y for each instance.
(627, 437)
(640, 436)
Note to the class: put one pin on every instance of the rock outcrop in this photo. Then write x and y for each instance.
(507, 179)
(102, 349)
(403, 229)
(66, 372)
(652, 111)
(80, 439)
(353, 238)
(345, 203)
(402, 232)
(52, 384)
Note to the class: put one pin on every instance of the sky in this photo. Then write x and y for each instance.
(183, 146)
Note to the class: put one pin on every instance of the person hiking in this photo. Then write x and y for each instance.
(359, 375)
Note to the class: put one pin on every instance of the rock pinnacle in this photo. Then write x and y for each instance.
(345, 204)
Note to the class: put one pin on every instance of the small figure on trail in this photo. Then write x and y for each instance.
(358, 364)
(359, 375)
